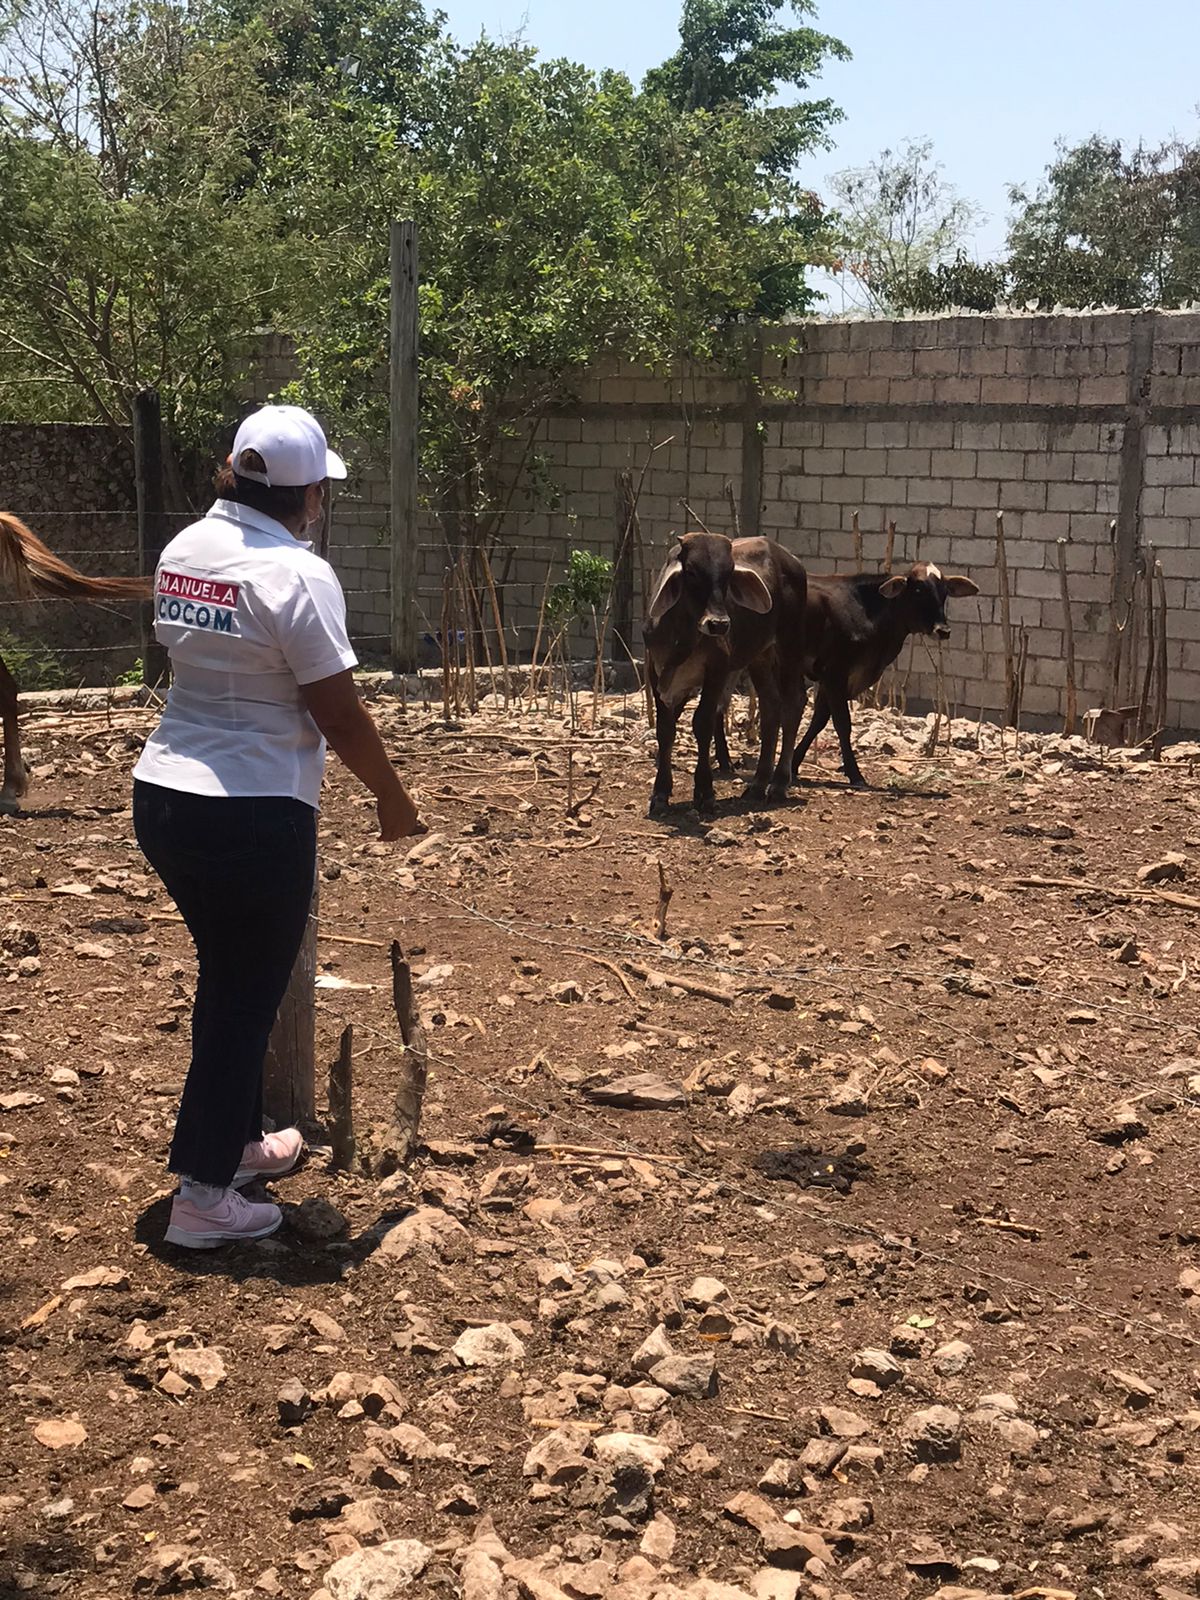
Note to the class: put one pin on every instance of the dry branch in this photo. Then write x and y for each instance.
(689, 986)
(665, 891)
(341, 1104)
(394, 1146)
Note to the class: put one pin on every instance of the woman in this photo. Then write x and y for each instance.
(227, 789)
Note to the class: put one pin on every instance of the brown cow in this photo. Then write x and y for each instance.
(855, 627)
(32, 571)
(720, 606)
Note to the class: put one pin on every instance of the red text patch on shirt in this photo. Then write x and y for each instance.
(213, 591)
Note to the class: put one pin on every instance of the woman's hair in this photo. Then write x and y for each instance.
(282, 503)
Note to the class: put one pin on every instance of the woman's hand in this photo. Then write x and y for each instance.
(397, 815)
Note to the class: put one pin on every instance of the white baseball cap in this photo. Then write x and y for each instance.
(292, 445)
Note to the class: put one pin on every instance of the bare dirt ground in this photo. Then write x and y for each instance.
(963, 1361)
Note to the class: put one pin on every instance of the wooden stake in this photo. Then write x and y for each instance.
(498, 621)
(471, 610)
(891, 547)
(414, 1063)
(665, 892)
(151, 523)
(735, 515)
(1010, 675)
(537, 640)
(858, 545)
(446, 584)
(290, 1067)
(1072, 707)
(403, 456)
(341, 1104)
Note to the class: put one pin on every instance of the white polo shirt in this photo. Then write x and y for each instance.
(249, 614)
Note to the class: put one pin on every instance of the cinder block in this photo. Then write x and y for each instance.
(929, 491)
(1006, 331)
(867, 391)
(1007, 391)
(888, 492)
(842, 491)
(984, 361)
(838, 435)
(1018, 496)
(886, 435)
(1108, 391)
(824, 462)
(940, 362)
(908, 463)
(910, 391)
(891, 363)
(1181, 502)
(960, 463)
(957, 391)
(1037, 585)
(1071, 497)
(1178, 533)
(1006, 464)
(866, 462)
(975, 492)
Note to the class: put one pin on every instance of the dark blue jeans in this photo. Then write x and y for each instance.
(241, 872)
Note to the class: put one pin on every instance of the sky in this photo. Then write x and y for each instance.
(992, 85)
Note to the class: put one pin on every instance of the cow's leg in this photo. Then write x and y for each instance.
(795, 693)
(16, 775)
(839, 708)
(665, 721)
(721, 745)
(767, 689)
(820, 717)
(703, 723)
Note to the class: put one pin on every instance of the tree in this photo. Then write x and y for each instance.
(135, 249)
(899, 222)
(179, 176)
(735, 59)
(1110, 228)
(734, 54)
(958, 285)
(562, 214)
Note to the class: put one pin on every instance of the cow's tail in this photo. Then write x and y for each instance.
(31, 570)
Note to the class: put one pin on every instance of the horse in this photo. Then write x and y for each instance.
(30, 570)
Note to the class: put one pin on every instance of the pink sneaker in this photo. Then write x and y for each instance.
(270, 1157)
(230, 1221)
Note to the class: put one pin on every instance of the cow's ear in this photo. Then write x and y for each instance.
(670, 587)
(893, 588)
(960, 588)
(747, 589)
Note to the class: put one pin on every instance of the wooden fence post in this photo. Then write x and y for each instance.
(148, 482)
(403, 416)
(290, 1068)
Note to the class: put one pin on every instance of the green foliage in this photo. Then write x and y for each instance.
(32, 665)
(589, 579)
(131, 678)
(899, 222)
(1110, 227)
(135, 249)
(958, 285)
(562, 215)
(733, 54)
(177, 176)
